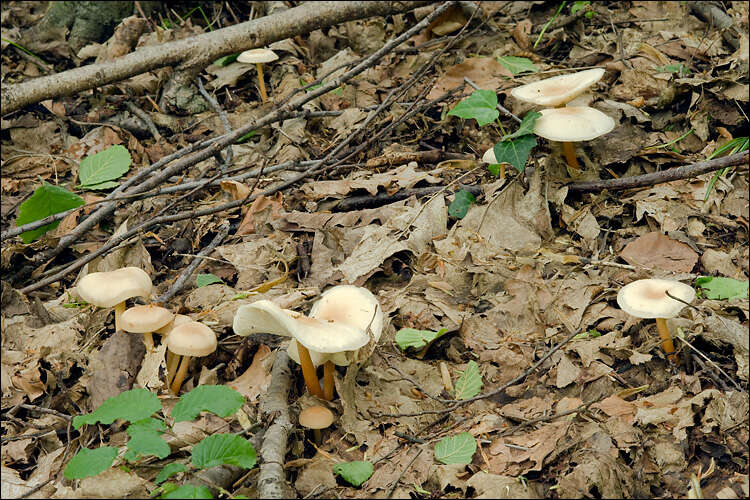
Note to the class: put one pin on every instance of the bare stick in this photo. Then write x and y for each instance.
(671, 174)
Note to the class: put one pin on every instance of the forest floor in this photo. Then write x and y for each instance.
(531, 267)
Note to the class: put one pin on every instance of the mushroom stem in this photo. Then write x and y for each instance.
(261, 83)
(570, 155)
(328, 380)
(502, 171)
(180, 375)
(173, 360)
(317, 436)
(119, 309)
(666, 339)
(148, 339)
(308, 371)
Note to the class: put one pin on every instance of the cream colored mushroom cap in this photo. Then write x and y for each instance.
(255, 56)
(192, 339)
(558, 89)
(350, 305)
(107, 289)
(489, 156)
(573, 124)
(648, 298)
(316, 417)
(176, 321)
(145, 319)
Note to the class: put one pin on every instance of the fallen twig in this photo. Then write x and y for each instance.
(671, 174)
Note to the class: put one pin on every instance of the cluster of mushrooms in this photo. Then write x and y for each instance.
(185, 338)
(562, 123)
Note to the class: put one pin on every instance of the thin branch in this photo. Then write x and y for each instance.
(499, 106)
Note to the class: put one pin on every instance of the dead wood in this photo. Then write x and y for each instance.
(199, 51)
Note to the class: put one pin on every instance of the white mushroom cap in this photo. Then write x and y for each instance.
(176, 321)
(557, 90)
(317, 335)
(316, 417)
(350, 305)
(145, 319)
(192, 339)
(489, 156)
(107, 289)
(648, 298)
(255, 56)
(573, 124)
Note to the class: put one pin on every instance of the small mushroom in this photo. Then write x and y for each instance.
(145, 320)
(264, 316)
(558, 91)
(186, 340)
(648, 299)
(113, 288)
(572, 124)
(316, 418)
(258, 57)
(172, 359)
(489, 157)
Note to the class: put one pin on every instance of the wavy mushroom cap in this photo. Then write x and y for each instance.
(489, 156)
(573, 124)
(557, 90)
(107, 289)
(350, 305)
(648, 298)
(145, 319)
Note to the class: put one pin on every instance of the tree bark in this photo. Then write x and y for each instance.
(198, 51)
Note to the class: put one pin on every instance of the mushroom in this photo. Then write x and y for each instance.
(572, 124)
(258, 57)
(350, 305)
(172, 359)
(648, 299)
(264, 316)
(113, 288)
(186, 340)
(489, 157)
(316, 418)
(558, 91)
(146, 319)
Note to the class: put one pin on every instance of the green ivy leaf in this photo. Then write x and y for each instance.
(46, 200)
(87, 463)
(722, 288)
(526, 127)
(189, 491)
(517, 65)
(460, 204)
(354, 473)
(145, 439)
(226, 60)
(132, 405)
(104, 166)
(168, 471)
(218, 399)
(229, 449)
(515, 152)
(207, 279)
(457, 449)
(417, 339)
(480, 105)
(469, 383)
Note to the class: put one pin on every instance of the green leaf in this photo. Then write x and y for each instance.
(226, 60)
(526, 127)
(132, 405)
(246, 136)
(417, 339)
(517, 65)
(481, 105)
(105, 165)
(469, 383)
(457, 449)
(218, 399)
(189, 491)
(103, 185)
(87, 463)
(578, 6)
(168, 471)
(207, 279)
(515, 152)
(460, 204)
(722, 288)
(145, 439)
(229, 449)
(354, 473)
(46, 200)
